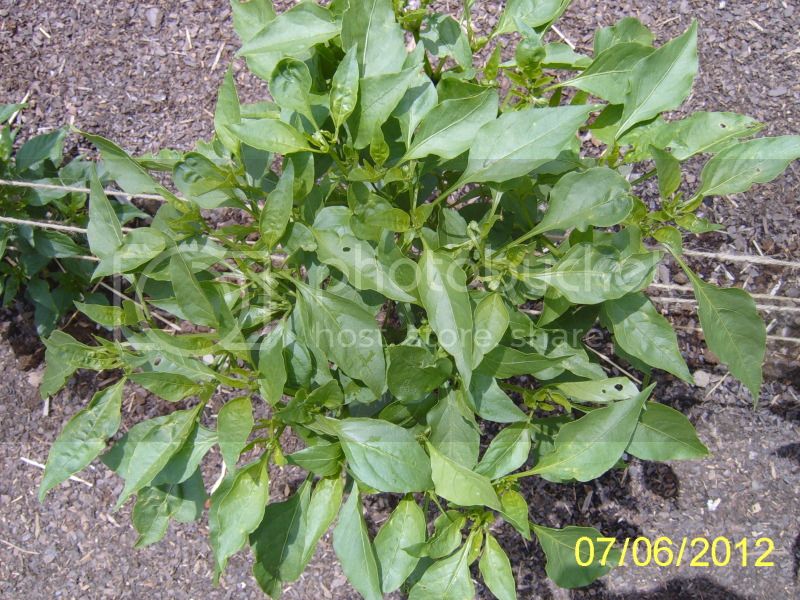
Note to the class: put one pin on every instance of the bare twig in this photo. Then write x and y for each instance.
(39, 465)
(15, 547)
(74, 189)
(603, 357)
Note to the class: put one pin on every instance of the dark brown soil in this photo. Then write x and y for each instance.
(144, 74)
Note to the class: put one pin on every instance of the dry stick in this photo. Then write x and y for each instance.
(611, 362)
(688, 288)
(77, 190)
(746, 258)
(155, 315)
(763, 307)
(39, 465)
(15, 547)
(560, 34)
(50, 225)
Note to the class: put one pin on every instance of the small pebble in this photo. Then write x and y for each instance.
(154, 17)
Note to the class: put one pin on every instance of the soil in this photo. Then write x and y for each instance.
(145, 74)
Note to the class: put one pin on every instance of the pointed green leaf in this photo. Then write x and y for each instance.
(355, 551)
(736, 168)
(414, 372)
(519, 141)
(515, 512)
(191, 298)
(272, 135)
(103, 231)
(450, 128)
(590, 446)
(237, 508)
(461, 485)
(278, 208)
(507, 452)
(83, 437)
(608, 77)
(669, 172)
(600, 391)
(446, 579)
(663, 433)
(626, 30)
(490, 323)
(228, 111)
(703, 133)
(454, 431)
(405, 527)
(733, 330)
(379, 96)
(559, 548)
(344, 88)
(598, 197)
(384, 456)
(271, 366)
(496, 570)
(641, 331)
(346, 332)
(661, 81)
(293, 32)
(446, 301)
(155, 506)
(234, 424)
(370, 27)
(533, 13)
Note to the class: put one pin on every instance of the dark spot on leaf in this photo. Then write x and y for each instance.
(723, 125)
(346, 249)
(603, 391)
(618, 387)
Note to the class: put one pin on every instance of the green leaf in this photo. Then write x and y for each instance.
(360, 263)
(155, 506)
(379, 96)
(139, 246)
(446, 579)
(490, 323)
(251, 16)
(344, 88)
(446, 301)
(321, 459)
(507, 452)
(663, 433)
(591, 274)
(626, 30)
(83, 437)
(533, 13)
(322, 510)
(234, 424)
(446, 536)
(189, 295)
(414, 372)
(293, 32)
(459, 484)
(405, 527)
(590, 446)
(669, 172)
(103, 231)
(442, 37)
(661, 81)
(370, 27)
(641, 331)
(271, 366)
(120, 167)
(278, 208)
(598, 197)
(601, 391)
(420, 98)
(237, 508)
(454, 431)
(290, 86)
(608, 77)
(559, 548)
(172, 387)
(157, 441)
(108, 316)
(228, 111)
(703, 132)
(186, 461)
(736, 168)
(40, 148)
(354, 549)
(271, 135)
(450, 128)
(504, 362)
(279, 541)
(490, 402)
(384, 456)
(345, 332)
(496, 570)
(733, 330)
(520, 141)
(515, 512)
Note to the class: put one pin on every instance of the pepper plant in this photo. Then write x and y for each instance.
(44, 265)
(422, 240)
